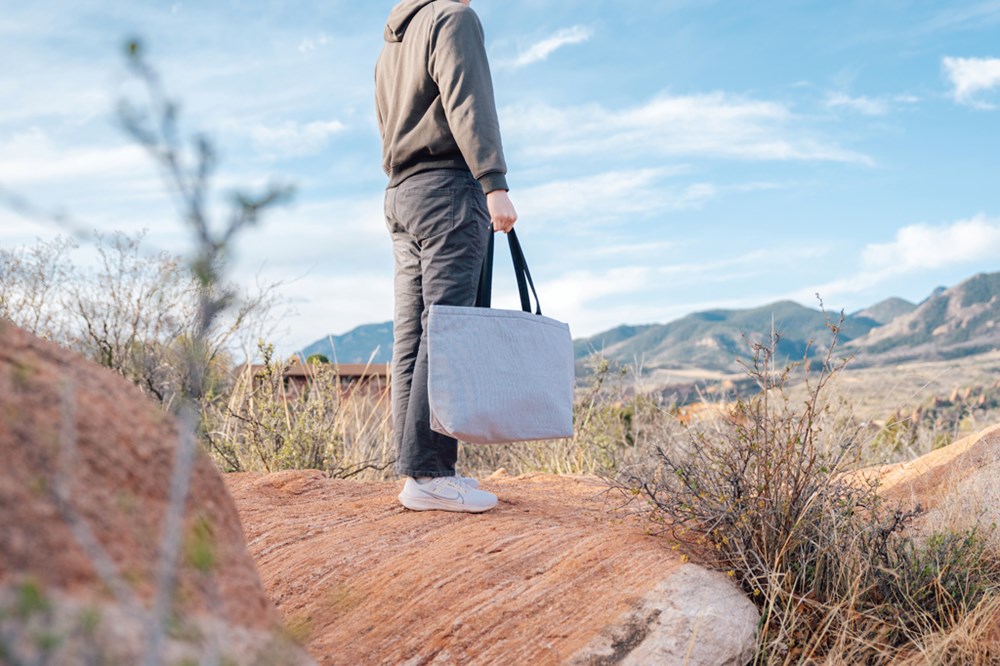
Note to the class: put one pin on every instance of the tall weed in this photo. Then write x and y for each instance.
(261, 425)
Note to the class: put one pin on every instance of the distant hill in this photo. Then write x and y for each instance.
(585, 346)
(356, 346)
(959, 321)
(885, 311)
(712, 340)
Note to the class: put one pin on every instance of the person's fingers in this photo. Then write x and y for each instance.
(503, 223)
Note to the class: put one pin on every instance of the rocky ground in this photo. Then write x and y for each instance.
(957, 486)
(550, 576)
(86, 466)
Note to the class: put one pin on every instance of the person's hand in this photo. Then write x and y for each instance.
(502, 212)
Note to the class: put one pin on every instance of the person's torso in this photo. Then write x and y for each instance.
(415, 131)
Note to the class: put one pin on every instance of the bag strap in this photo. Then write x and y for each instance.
(483, 295)
(521, 274)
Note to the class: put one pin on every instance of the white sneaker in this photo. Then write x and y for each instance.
(445, 493)
(469, 481)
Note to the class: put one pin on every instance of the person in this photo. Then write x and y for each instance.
(447, 187)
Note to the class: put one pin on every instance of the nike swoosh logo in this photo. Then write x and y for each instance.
(457, 496)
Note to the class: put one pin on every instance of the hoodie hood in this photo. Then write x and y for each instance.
(400, 18)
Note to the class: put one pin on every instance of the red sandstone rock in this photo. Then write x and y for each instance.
(957, 486)
(118, 478)
(547, 577)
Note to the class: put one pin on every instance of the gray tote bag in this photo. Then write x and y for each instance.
(500, 375)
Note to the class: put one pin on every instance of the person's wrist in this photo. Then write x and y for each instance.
(492, 182)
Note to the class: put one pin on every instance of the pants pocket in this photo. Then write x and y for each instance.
(426, 212)
(388, 210)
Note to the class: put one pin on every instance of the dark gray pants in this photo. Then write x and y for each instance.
(440, 227)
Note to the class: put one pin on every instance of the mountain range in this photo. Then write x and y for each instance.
(959, 321)
(367, 343)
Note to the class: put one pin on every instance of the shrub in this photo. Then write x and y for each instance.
(262, 424)
(133, 311)
(770, 494)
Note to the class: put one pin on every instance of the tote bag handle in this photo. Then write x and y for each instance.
(521, 273)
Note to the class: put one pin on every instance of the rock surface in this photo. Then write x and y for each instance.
(66, 422)
(694, 617)
(957, 486)
(550, 576)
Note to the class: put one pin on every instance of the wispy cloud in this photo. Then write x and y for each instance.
(962, 18)
(704, 125)
(289, 139)
(590, 298)
(921, 247)
(311, 44)
(924, 246)
(31, 156)
(334, 304)
(643, 249)
(340, 232)
(868, 106)
(543, 49)
(969, 76)
(613, 194)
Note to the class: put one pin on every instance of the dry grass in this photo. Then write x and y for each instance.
(261, 426)
(765, 494)
(255, 424)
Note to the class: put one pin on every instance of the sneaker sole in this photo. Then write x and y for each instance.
(430, 504)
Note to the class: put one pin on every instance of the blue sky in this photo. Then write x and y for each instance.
(664, 157)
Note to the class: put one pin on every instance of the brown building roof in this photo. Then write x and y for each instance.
(342, 369)
(351, 370)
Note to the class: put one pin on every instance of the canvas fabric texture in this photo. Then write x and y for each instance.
(498, 376)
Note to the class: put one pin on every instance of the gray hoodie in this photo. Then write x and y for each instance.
(434, 94)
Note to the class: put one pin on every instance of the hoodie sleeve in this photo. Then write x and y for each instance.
(459, 67)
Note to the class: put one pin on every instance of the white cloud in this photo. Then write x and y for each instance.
(920, 247)
(611, 195)
(580, 296)
(77, 102)
(31, 156)
(334, 304)
(309, 44)
(570, 297)
(707, 125)
(644, 248)
(290, 139)
(339, 233)
(923, 246)
(969, 76)
(962, 18)
(543, 49)
(571, 290)
(866, 105)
